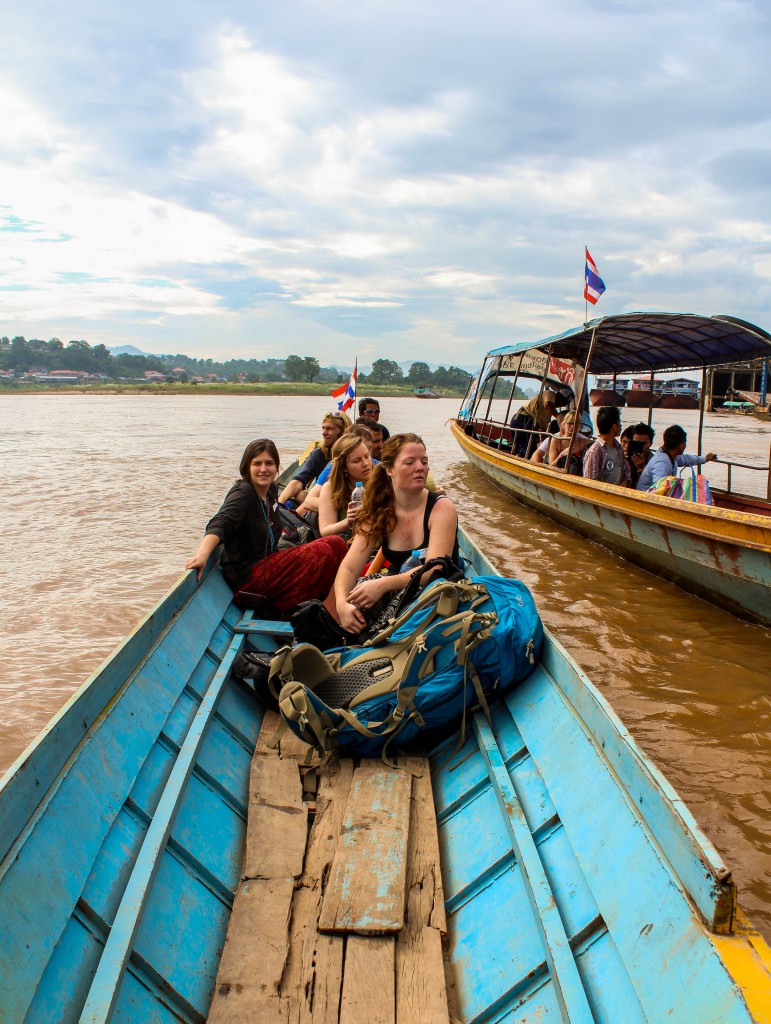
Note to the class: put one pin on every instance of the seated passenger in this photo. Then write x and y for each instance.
(400, 515)
(604, 460)
(351, 464)
(669, 458)
(377, 435)
(370, 407)
(541, 454)
(636, 442)
(559, 446)
(311, 503)
(332, 426)
(249, 526)
(535, 415)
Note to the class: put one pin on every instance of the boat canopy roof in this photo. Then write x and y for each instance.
(635, 342)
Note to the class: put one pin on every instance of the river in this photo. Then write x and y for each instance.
(104, 498)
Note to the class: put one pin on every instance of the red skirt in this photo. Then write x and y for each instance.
(287, 578)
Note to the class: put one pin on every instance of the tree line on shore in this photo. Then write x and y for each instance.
(22, 356)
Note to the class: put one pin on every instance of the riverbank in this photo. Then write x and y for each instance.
(266, 388)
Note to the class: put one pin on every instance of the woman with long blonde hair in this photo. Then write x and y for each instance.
(399, 515)
(351, 464)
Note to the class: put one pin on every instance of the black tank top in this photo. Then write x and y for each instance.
(398, 558)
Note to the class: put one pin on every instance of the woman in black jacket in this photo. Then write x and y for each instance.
(249, 526)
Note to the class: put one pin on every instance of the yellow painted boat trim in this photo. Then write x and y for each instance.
(747, 958)
(725, 526)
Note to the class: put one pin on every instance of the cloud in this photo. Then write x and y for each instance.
(416, 180)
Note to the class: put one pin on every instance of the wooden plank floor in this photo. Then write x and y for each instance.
(278, 965)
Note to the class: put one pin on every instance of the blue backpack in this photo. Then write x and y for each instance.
(455, 647)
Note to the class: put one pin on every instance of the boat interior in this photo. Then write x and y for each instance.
(498, 435)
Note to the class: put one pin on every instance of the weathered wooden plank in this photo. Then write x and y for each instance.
(366, 890)
(421, 994)
(277, 823)
(314, 974)
(257, 945)
(249, 975)
(424, 873)
(314, 977)
(368, 982)
(420, 968)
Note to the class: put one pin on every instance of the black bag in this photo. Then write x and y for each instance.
(294, 529)
(255, 666)
(313, 623)
(393, 604)
(419, 580)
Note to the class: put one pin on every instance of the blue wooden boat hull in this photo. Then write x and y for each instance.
(578, 886)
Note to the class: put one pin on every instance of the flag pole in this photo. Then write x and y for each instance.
(586, 301)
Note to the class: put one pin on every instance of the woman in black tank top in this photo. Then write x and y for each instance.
(400, 514)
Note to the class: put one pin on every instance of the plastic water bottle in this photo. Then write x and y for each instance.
(357, 495)
(415, 559)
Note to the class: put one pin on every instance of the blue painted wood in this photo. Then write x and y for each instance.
(697, 863)
(565, 980)
(112, 964)
(282, 629)
(569, 865)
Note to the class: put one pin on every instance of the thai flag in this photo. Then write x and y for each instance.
(594, 286)
(345, 395)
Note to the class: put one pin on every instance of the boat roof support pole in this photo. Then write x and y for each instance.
(511, 396)
(488, 423)
(579, 398)
(480, 389)
(650, 400)
(702, 406)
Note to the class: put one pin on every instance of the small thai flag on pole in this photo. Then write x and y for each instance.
(594, 286)
(345, 395)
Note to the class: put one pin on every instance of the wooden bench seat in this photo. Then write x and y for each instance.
(342, 922)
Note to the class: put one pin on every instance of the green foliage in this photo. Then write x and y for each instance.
(420, 373)
(386, 371)
(22, 355)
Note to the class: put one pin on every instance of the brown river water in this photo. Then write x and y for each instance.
(104, 497)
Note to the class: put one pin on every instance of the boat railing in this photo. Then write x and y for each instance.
(764, 468)
(490, 431)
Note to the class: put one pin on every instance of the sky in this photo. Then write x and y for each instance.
(408, 180)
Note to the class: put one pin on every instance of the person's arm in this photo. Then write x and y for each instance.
(202, 555)
(311, 503)
(592, 462)
(695, 460)
(221, 525)
(291, 490)
(442, 529)
(350, 569)
(556, 452)
(308, 472)
(329, 524)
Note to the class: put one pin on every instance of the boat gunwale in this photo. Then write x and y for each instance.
(634, 767)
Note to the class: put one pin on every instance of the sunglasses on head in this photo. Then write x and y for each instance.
(333, 416)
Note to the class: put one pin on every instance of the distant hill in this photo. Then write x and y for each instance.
(127, 350)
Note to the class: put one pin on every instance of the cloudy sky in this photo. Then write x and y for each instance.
(411, 179)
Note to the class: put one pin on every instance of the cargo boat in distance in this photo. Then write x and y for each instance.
(720, 552)
(152, 845)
